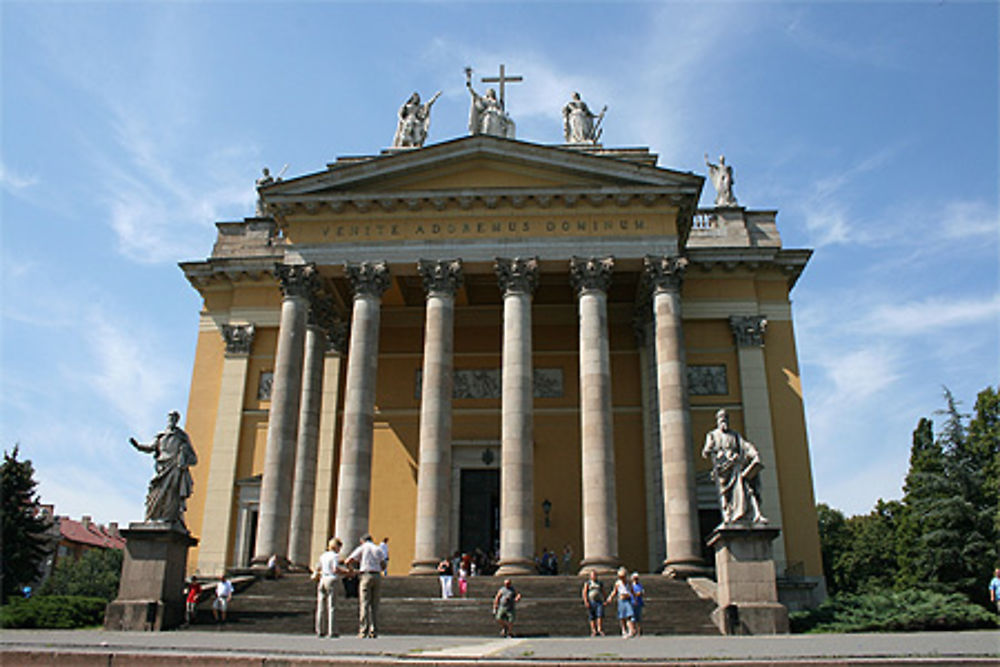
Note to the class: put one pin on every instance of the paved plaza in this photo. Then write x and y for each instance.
(55, 647)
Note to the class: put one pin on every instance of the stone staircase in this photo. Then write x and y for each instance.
(550, 606)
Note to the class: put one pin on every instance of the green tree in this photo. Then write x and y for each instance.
(869, 562)
(834, 540)
(24, 540)
(95, 574)
(983, 437)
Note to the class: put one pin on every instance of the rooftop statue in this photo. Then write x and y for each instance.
(414, 121)
(171, 486)
(722, 178)
(580, 124)
(736, 470)
(265, 179)
(486, 112)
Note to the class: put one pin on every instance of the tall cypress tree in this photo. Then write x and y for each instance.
(24, 528)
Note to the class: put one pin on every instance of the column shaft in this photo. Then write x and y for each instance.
(276, 484)
(592, 277)
(325, 470)
(354, 482)
(433, 523)
(680, 508)
(517, 528)
(304, 487)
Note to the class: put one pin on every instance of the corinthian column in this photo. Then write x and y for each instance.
(297, 283)
(369, 280)
(680, 507)
(213, 555)
(591, 279)
(304, 487)
(518, 278)
(748, 332)
(441, 280)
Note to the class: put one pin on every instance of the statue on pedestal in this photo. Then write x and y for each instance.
(736, 470)
(580, 124)
(414, 121)
(722, 178)
(171, 486)
(486, 112)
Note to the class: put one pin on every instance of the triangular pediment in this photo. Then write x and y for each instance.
(484, 163)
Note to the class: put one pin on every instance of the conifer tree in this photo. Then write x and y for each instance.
(24, 528)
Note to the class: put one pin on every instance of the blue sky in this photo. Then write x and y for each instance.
(128, 129)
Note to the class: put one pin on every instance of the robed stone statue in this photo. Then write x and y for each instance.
(736, 470)
(486, 112)
(722, 178)
(580, 124)
(171, 486)
(414, 121)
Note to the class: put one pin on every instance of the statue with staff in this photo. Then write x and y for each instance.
(414, 121)
(736, 470)
(171, 486)
(580, 124)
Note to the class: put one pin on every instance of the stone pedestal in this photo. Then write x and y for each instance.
(151, 594)
(747, 588)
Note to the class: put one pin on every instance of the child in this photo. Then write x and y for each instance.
(191, 600)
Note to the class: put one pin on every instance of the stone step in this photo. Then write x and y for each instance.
(550, 606)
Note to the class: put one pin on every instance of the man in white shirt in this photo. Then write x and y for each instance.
(327, 570)
(369, 560)
(223, 594)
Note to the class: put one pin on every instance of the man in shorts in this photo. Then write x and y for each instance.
(223, 595)
(593, 600)
(503, 608)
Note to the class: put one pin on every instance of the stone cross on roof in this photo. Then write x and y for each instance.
(502, 79)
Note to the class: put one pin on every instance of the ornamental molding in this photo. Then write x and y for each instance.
(238, 338)
(591, 273)
(517, 275)
(368, 278)
(297, 280)
(748, 330)
(664, 273)
(440, 276)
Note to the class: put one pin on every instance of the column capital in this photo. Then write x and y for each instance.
(323, 315)
(238, 338)
(296, 280)
(591, 273)
(442, 276)
(516, 275)
(748, 330)
(368, 278)
(336, 337)
(642, 317)
(664, 273)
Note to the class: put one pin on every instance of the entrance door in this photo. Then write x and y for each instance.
(479, 511)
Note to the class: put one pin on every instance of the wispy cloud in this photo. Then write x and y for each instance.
(13, 181)
(917, 318)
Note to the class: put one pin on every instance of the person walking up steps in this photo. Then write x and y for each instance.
(503, 608)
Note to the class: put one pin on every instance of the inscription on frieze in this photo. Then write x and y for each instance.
(707, 380)
(486, 383)
(587, 226)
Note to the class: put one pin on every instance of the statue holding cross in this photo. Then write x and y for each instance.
(487, 114)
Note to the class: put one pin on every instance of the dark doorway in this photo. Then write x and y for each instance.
(479, 511)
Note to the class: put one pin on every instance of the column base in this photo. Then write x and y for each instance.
(516, 567)
(601, 565)
(685, 569)
(423, 568)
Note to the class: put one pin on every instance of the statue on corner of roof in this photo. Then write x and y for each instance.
(264, 180)
(486, 112)
(171, 485)
(580, 124)
(722, 178)
(414, 121)
(736, 470)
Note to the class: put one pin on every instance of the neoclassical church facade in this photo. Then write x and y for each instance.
(495, 344)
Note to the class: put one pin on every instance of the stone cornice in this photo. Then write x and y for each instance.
(518, 275)
(238, 338)
(368, 278)
(664, 273)
(440, 276)
(748, 330)
(591, 273)
(790, 262)
(214, 273)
